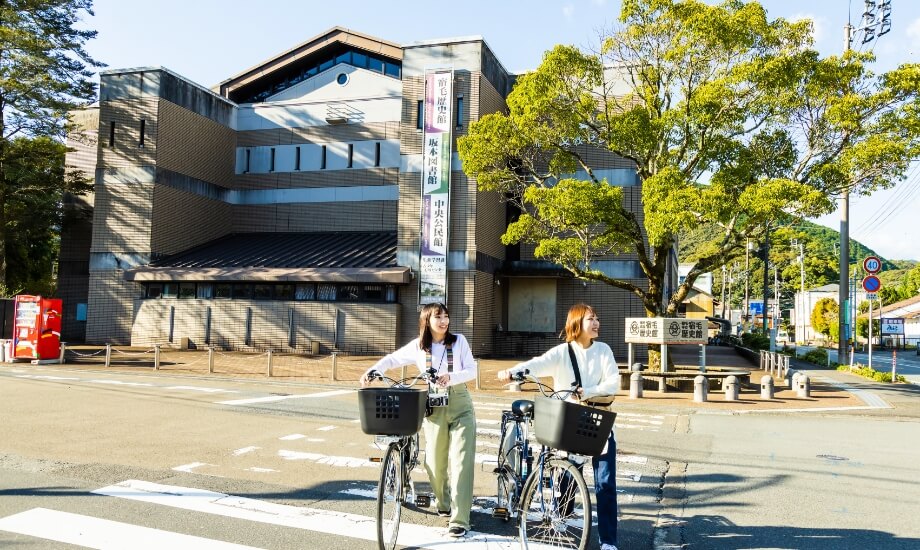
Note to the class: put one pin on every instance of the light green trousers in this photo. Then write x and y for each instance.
(450, 451)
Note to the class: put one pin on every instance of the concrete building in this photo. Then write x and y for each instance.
(281, 209)
(805, 303)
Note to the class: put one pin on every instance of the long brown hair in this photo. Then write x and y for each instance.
(424, 326)
(575, 320)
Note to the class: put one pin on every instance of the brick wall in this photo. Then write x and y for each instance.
(362, 328)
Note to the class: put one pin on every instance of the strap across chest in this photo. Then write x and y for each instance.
(449, 351)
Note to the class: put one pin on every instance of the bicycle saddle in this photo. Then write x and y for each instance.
(522, 407)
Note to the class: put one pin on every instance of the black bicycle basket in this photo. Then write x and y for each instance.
(571, 427)
(391, 411)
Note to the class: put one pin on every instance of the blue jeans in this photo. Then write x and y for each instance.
(605, 488)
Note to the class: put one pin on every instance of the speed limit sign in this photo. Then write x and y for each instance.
(872, 264)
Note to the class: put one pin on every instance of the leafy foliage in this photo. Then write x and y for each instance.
(44, 73)
(824, 317)
(871, 374)
(817, 356)
(732, 121)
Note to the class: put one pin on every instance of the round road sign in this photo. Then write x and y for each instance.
(872, 264)
(872, 283)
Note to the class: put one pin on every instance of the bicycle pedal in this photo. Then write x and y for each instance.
(423, 501)
(501, 513)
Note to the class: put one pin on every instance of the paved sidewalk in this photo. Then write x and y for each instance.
(826, 389)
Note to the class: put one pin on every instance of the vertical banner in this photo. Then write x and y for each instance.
(435, 186)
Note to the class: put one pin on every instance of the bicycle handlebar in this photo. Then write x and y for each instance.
(546, 390)
(427, 375)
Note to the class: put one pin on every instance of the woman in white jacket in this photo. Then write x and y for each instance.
(450, 431)
(600, 380)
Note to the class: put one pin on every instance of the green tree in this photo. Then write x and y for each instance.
(730, 119)
(44, 74)
(824, 317)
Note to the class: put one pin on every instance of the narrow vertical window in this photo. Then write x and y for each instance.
(112, 133)
(377, 154)
(322, 160)
(143, 129)
(248, 158)
(297, 158)
(420, 115)
(271, 162)
(460, 112)
(351, 155)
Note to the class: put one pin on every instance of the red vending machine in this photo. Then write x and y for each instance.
(37, 328)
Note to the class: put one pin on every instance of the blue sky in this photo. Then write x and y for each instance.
(208, 41)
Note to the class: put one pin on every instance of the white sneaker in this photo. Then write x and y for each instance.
(608, 547)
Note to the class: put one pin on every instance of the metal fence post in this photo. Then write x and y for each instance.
(478, 372)
(210, 360)
(108, 354)
(269, 363)
(335, 367)
(156, 357)
(63, 347)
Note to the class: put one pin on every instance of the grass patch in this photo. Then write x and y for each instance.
(871, 374)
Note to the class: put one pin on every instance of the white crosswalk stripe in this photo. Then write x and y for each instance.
(103, 534)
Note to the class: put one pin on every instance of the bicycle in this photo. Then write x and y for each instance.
(394, 416)
(553, 504)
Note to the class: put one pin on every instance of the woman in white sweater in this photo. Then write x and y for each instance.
(450, 431)
(600, 380)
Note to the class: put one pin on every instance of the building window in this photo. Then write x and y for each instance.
(223, 291)
(325, 293)
(351, 155)
(391, 294)
(342, 79)
(322, 160)
(374, 293)
(271, 161)
(140, 142)
(392, 69)
(170, 290)
(377, 154)
(420, 115)
(262, 292)
(305, 291)
(460, 112)
(186, 290)
(112, 134)
(248, 159)
(205, 291)
(297, 158)
(154, 290)
(349, 293)
(242, 291)
(284, 292)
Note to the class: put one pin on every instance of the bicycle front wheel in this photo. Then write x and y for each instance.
(555, 508)
(389, 498)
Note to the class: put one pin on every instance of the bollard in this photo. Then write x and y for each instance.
(108, 354)
(156, 356)
(335, 367)
(269, 363)
(795, 381)
(789, 374)
(636, 367)
(700, 389)
(804, 389)
(731, 388)
(210, 359)
(662, 385)
(63, 347)
(635, 384)
(766, 387)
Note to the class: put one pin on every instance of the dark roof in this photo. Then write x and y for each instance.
(316, 250)
(339, 256)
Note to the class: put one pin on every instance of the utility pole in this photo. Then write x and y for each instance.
(766, 280)
(723, 292)
(876, 22)
(747, 278)
(802, 289)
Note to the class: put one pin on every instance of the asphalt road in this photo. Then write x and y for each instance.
(106, 460)
(90, 457)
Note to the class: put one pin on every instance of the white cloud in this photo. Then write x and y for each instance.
(568, 11)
